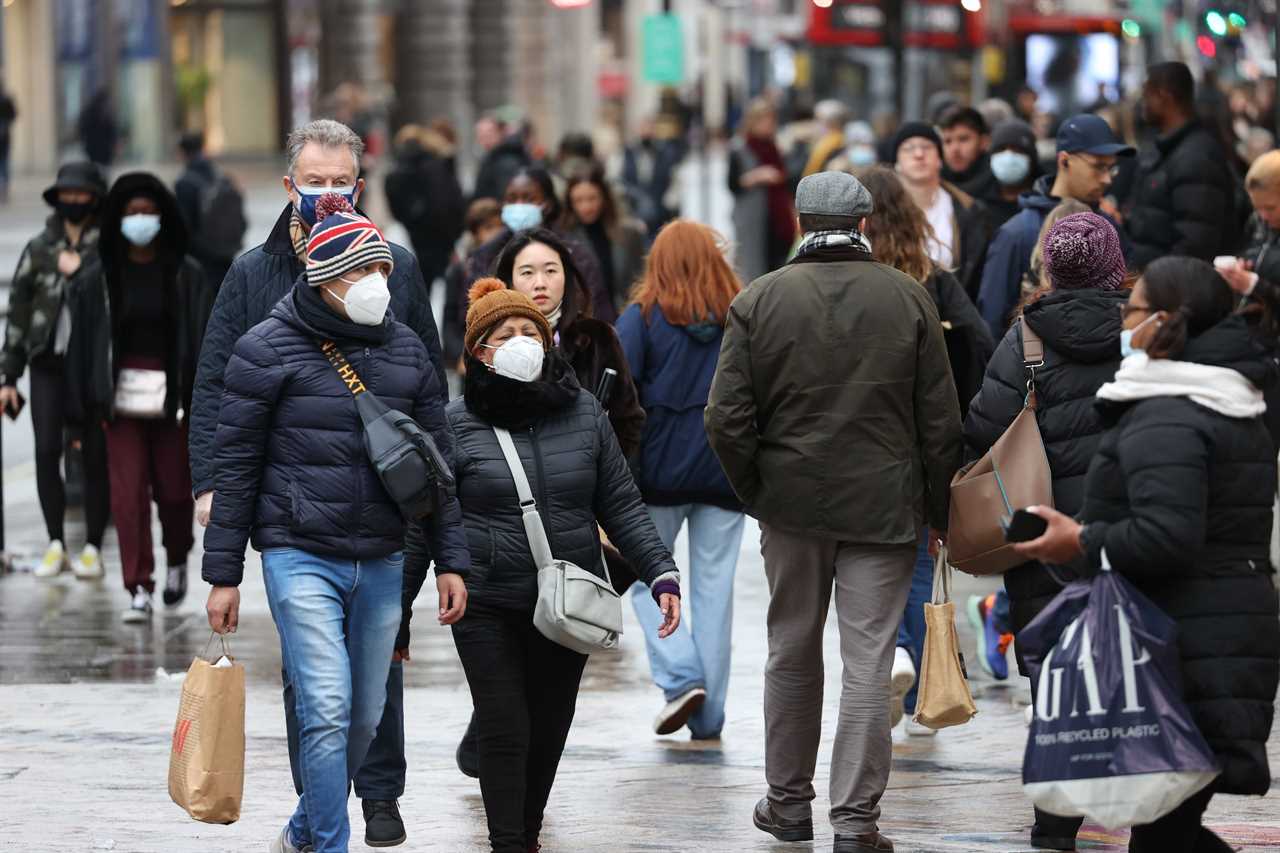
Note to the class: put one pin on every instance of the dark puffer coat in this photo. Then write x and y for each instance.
(1181, 498)
(1081, 334)
(256, 282)
(291, 466)
(578, 475)
(1182, 201)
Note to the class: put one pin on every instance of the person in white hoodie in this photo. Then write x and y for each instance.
(1179, 496)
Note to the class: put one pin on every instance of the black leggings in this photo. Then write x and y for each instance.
(1180, 830)
(525, 689)
(48, 418)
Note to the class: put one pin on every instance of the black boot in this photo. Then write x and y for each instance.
(765, 820)
(382, 824)
(468, 754)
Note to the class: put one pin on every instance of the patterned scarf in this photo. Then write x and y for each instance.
(298, 233)
(815, 240)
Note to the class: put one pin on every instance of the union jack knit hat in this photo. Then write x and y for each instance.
(342, 240)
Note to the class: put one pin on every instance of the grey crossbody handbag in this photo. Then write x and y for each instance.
(576, 608)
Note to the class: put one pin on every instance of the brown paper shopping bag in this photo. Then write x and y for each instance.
(206, 762)
(943, 698)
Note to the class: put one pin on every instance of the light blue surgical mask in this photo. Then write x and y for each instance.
(140, 228)
(1010, 167)
(309, 196)
(862, 155)
(1126, 339)
(521, 216)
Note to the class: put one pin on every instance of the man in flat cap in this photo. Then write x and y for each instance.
(835, 417)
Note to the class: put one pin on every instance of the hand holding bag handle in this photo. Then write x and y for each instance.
(576, 608)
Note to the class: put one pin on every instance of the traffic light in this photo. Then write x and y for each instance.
(1131, 28)
(1217, 24)
(1206, 46)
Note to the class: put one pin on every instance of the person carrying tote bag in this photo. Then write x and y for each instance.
(524, 638)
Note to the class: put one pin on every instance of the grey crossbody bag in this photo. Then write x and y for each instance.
(576, 608)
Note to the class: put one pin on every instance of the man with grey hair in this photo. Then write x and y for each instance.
(324, 157)
(835, 417)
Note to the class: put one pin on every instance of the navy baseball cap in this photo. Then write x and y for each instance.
(1089, 134)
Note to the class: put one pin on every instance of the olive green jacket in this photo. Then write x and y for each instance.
(36, 296)
(833, 410)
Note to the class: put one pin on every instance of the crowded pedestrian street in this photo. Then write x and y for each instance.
(568, 426)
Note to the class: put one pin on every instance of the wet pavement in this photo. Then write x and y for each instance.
(87, 707)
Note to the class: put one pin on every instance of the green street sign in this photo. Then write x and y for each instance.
(663, 50)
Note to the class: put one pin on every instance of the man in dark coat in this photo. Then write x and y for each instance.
(1183, 198)
(1087, 153)
(324, 156)
(425, 196)
(501, 164)
(965, 141)
(197, 190)
(835, 418)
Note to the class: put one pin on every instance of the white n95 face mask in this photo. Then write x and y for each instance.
(367, 299)
(519, 358)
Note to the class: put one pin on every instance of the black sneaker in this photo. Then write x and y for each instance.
(175, 585)
(468, 754)
(1052, 842)
(382, 824)
(765, 820)
(867, 842)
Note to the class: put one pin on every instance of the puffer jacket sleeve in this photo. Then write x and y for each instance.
(443, 531)
(422, 320)
(254, 378)
(731, 414)
(1000, 398)
(1164, 458)
(620, 510)
(937, 413)
(226, 324)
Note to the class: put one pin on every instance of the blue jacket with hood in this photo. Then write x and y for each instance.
(1009, 256)
(672, 367)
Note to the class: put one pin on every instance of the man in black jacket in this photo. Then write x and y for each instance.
(1182, 202)
(324, 156)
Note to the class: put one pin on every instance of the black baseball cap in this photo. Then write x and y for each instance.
(1089, 134)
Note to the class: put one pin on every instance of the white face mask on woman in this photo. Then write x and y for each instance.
(519, 358)
(367, 299)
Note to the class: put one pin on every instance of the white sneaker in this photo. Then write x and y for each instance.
(678, 711)
(901, 677)
(88, 565)
(140, 609)
(283, 844)
(54, 561)
(914, 729)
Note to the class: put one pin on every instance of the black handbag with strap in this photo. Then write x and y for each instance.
(404, 456)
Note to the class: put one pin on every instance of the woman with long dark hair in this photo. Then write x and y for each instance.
(591, 217)
(899, 233)
(1179, 498)
(671, 334)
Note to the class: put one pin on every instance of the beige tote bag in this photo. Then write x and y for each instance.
(943, 698)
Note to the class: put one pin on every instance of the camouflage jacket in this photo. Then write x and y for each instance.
(36, 296)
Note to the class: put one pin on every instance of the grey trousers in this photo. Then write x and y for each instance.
(871, 584)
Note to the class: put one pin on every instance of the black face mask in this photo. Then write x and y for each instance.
(77, 212)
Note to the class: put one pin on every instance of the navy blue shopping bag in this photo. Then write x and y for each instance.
(1111, 739)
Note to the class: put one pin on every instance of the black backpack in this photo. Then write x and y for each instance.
(222, 220)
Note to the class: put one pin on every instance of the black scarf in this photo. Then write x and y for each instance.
(313, 311)
(511, 404)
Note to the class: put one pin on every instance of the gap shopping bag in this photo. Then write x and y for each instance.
(1111, 739)
(206, 763)
(943, 698)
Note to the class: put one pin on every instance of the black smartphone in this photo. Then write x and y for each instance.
(1023, 526)
(15, 409)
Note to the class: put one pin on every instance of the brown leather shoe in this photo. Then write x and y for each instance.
(867, 842)
(765, 820)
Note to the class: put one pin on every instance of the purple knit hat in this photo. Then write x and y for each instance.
(1082, 251)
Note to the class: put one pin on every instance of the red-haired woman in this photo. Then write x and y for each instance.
(671, 334)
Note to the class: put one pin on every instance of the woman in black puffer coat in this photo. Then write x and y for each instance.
(1180, 496)
(1078, 320)
(524, 685)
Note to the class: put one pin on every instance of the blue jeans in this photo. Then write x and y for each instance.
(911, 628)
(697, 657)
(337, 621)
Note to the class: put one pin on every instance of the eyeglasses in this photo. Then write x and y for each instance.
(913, 148)
(1101, 168)
(1127, 309)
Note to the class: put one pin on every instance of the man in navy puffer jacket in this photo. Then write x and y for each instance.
(293, 476)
